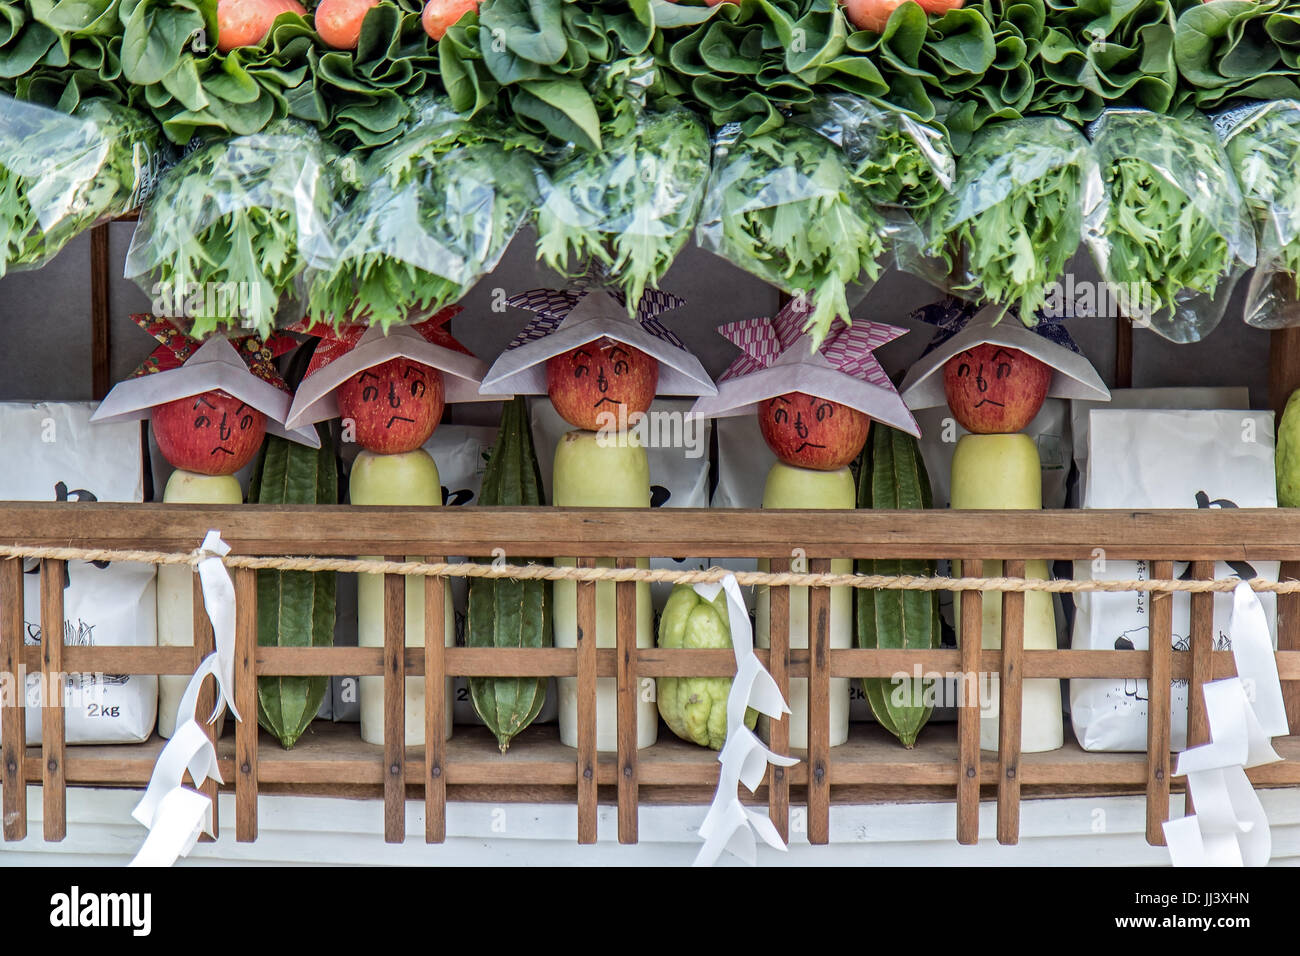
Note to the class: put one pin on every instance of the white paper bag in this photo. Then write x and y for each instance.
(1162, 459)
(53, 453)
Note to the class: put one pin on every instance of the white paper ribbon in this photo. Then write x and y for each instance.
(175, 814)
(1244, 712)
(730, 825)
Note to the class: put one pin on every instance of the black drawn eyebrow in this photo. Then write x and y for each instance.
(363, 375)
(203, 401)
(412, 370)
(583, 352)
(782, 398)
(616, 350)
(1002, 352)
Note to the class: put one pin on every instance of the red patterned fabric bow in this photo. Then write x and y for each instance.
(176, 349)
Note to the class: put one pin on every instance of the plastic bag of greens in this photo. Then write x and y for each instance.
(629, 206)
(784, 206)
(61, 173)
(1013, 220)
(437, 208)
(1262, 141)
(1168, 228)
(234, 223)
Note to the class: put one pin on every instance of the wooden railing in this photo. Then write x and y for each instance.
(538, 767)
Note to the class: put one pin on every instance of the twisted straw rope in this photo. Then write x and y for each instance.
(538, 572)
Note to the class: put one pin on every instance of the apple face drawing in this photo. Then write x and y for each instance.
(810, 432)
(213, 433)
(994, 389)
(395, 406)
(602, 384)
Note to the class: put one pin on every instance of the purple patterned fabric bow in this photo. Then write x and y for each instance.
(552, 305)
(847, 347)
(951, 315)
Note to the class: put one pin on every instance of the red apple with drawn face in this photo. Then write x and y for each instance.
(603, 384)
(810, 432)
(993, 389)
(211, 434)
(394, 406)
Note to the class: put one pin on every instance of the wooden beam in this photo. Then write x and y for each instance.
(100, 325)
(1283, 379)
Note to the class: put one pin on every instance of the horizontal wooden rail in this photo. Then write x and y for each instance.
(1184, 534)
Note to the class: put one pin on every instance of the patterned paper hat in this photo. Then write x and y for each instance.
(352, 348)
(567, 318)
(180, 367)
(964, 325)
(778, 358)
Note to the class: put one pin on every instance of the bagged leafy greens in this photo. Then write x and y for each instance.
(61, 173)
(436, 210)
(1013, 220)
(235, 222)
(785, 207)
(1168, 228)
(1263, 144)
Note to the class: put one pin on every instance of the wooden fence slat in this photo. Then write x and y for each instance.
(246, 730)
(587, 802)
(968, 719)
(1158, 694)
(819, 708)
(1288, 637)
(13, 718)
(778, 781)
(205, 644)
(1202, 641)
(53, 741)
(435, 710)
(628, 696)
(1010, 715)
(394, 707)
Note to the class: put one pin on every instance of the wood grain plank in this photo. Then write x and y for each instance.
(819, 708)
(53, 739)
(628, 696)
(13, 717)
(587, 793)
(394, 708)
(1288, 640)
(1010, 715)
(968, 720)
(246, 730)
(101, 328)
(778, 665)
(1158, 703)
(435, 710)
(204, 644)
(1202, 650)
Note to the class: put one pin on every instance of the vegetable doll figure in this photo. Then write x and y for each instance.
(815, 410)
(211, 404)
(601, 369)
(390, 391)
(994, 376)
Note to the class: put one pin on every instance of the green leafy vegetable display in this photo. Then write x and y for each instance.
(233, 225)
(59, 174)
(437, 209)
(1263, 144)
(783, 206)
(1014, 218)
(1169, 225)
(1238, 49)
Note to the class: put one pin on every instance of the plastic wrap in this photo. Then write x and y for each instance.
(783, 206)
(1168, 227)
(437, 208)
(1262, 141)
(61, 173)
(234, 223)
(1013, 221)
(630, 206)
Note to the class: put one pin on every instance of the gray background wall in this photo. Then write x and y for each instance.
(45, 340)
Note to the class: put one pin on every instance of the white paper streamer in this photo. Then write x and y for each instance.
(175, 814)
(729, 825)
(1244, 712)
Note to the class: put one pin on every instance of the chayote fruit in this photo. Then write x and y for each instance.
(695, 708)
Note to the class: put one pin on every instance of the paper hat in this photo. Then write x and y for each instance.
(963, 326)
(778, 358)
(180, 367)
(350, 349)
(566, 319)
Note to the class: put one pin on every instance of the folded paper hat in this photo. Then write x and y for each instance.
(568, 318)
(181, 366)
(349, 349)
(778, 358)
(963, 326)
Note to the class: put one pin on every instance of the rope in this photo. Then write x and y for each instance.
(538, 572)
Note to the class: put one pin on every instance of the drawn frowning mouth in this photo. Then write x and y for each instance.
(807, 444)
(223, 450)
(603, 400)
(989, 401)
(399, 418)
